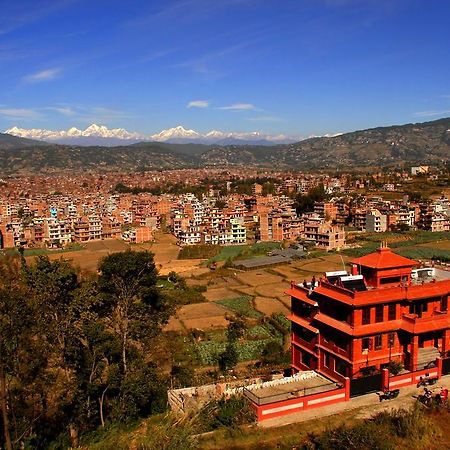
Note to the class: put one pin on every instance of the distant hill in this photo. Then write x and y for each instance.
(383, 146)
(8, 141)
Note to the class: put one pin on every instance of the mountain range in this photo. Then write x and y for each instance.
(419, 143)
(101, 135)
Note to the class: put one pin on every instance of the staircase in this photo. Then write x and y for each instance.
(427, 357)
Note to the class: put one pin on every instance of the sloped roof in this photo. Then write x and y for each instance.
(384, 258)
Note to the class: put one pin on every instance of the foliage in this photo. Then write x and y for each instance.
(395, 367)
(381, 432)
(178, 293)
(305, 202)
(73, 349)
(273, 353)
(229, 357)
(182, 376)
(236, 329)
(168, 435)
(231, 412)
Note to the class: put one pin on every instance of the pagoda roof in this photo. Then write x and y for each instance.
(384, 258)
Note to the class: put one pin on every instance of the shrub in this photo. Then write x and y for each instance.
(231, 413)
(182, 376)
(395, 367)
(273, 353)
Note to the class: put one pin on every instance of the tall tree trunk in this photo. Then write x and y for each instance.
(100, 401)
(4, 408)
(124, 352)
(73, 432)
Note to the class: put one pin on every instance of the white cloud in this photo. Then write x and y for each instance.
(432, 113)
(239, 107)
(19, 113)
(64, 110)
(198, 104)
(43, 75)
(265, 119)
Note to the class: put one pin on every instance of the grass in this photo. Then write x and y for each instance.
(397, 429)
(410, 244)
(43, 251)
(233, 252)
(241, 305)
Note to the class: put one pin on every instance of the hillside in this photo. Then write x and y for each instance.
(7, 141)
(384, 146)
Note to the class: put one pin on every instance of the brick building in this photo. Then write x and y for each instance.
(348, 325)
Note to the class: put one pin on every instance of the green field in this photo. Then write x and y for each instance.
(233, 252)
(415, 244)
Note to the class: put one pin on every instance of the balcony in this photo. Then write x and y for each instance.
(311, 346)
(415, 324)
(333, 348)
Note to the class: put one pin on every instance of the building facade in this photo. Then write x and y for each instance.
(386, 310)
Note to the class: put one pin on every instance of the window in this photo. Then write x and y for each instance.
(418, 308)
(366, 343)
(444, 303)
(366, 316)
(306, 359)
(391, 339)
(390, 280)
(391, 311)
(379, 313)
(378, 342)
(341, 367)
(327, 360)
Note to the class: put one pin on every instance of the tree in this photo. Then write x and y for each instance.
(137, 308)
(12, 333)
(305, 203)
(229, 357)
(235, 329)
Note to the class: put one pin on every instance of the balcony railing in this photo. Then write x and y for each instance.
(415, 324)
(333, 347)
(306, 344)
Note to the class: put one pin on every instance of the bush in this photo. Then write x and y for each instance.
(395, 367)
(230, 413)
(182, 376)
(385, 431)
(273, 353)
(168, 435)
(364, 436)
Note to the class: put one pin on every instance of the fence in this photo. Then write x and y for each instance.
(294, 405)
(411, 378)
(365, 385)
(260, 400)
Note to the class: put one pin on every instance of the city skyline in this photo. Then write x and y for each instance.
(307, 68)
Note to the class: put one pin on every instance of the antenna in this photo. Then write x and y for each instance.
(343, 264)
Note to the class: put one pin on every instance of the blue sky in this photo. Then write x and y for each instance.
(298, 67)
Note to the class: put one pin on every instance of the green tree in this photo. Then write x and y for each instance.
(137, 308)
(229, 357)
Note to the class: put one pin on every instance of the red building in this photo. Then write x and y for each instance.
(386, 310)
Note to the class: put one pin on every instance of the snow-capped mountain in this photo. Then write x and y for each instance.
(101, 135)
(175, 133)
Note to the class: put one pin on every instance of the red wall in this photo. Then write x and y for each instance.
(286, 407)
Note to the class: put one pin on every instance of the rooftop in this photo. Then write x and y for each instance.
(384, 258)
